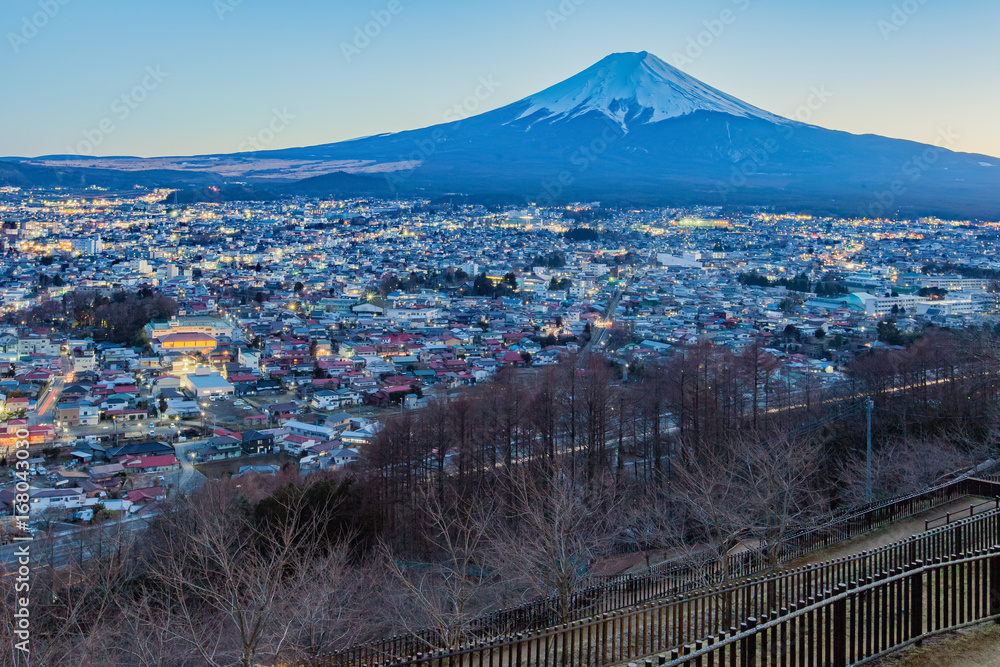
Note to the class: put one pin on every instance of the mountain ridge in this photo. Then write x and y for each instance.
(629, 128)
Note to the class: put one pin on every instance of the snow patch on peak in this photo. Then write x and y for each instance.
(634, 87)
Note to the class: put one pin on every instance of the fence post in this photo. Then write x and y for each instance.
(840, 628)
(916, 606)
(995, 586)
(748, 645)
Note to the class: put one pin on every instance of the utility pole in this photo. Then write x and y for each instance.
(869, 404)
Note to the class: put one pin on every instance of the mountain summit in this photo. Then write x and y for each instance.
(632, 88)
(630, 130)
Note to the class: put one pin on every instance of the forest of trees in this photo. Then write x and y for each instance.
(800, 283)
(578, 234)
(118, 318)
(519, 490)
(939, 268)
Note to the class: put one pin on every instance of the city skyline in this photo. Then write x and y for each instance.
(202, 77)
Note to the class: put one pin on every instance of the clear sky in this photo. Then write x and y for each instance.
(200, 76)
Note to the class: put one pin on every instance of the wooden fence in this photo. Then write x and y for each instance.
(694, 602)
(861, 620)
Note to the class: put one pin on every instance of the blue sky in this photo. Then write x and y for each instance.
(183, 77)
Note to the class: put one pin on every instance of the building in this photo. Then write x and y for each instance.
(342, 457)
(212, 327)
(257, 442)
(151, 464)
(89, 245)
(204, 383)
(43, 499)
(37, 345)
(323, 433)
(184, 342)
(880, 306)
(223, 447)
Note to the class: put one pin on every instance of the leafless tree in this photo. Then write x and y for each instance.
(232, 578)
(906, 466)
(784, 492)
(555, 532)
(754, 491)
(456, 584)
(72, 610)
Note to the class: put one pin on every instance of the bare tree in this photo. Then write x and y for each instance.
(72, 610)
(456, 584)
(906, 466)
(555, 532)
(783, 491)
(225, 569)
(754, 491)
(714, 504)
(332, 605)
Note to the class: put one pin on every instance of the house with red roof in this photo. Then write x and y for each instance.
(150, 464)
(146, 495)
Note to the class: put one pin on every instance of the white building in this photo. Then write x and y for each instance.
(90, 245)
(204, 383)
(880, 306)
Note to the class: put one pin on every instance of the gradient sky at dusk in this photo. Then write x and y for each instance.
(228, 71)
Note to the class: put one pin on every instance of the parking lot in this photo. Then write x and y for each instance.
(232, 413)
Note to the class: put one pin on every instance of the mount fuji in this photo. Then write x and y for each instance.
(632, 88)
(630, 129)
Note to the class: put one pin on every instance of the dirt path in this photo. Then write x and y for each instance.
(894, 532)
(900, 530)
(976, 647)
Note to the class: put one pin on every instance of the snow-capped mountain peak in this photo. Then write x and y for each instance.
(633, 88)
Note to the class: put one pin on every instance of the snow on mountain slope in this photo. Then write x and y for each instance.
(634, 87)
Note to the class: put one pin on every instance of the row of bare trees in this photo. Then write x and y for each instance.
(599, 428)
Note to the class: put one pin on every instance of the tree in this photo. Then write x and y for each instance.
(933, 293)
(457, 585)
(784, 495)
(754, 490)
(889, 333)
(560, 284)
(233, 577)
(73, 616)
(388, 285)
(299, 286)
(556, 532)
(483, 286)
(904, 466)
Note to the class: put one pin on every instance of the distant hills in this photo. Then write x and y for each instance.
(631, 130)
